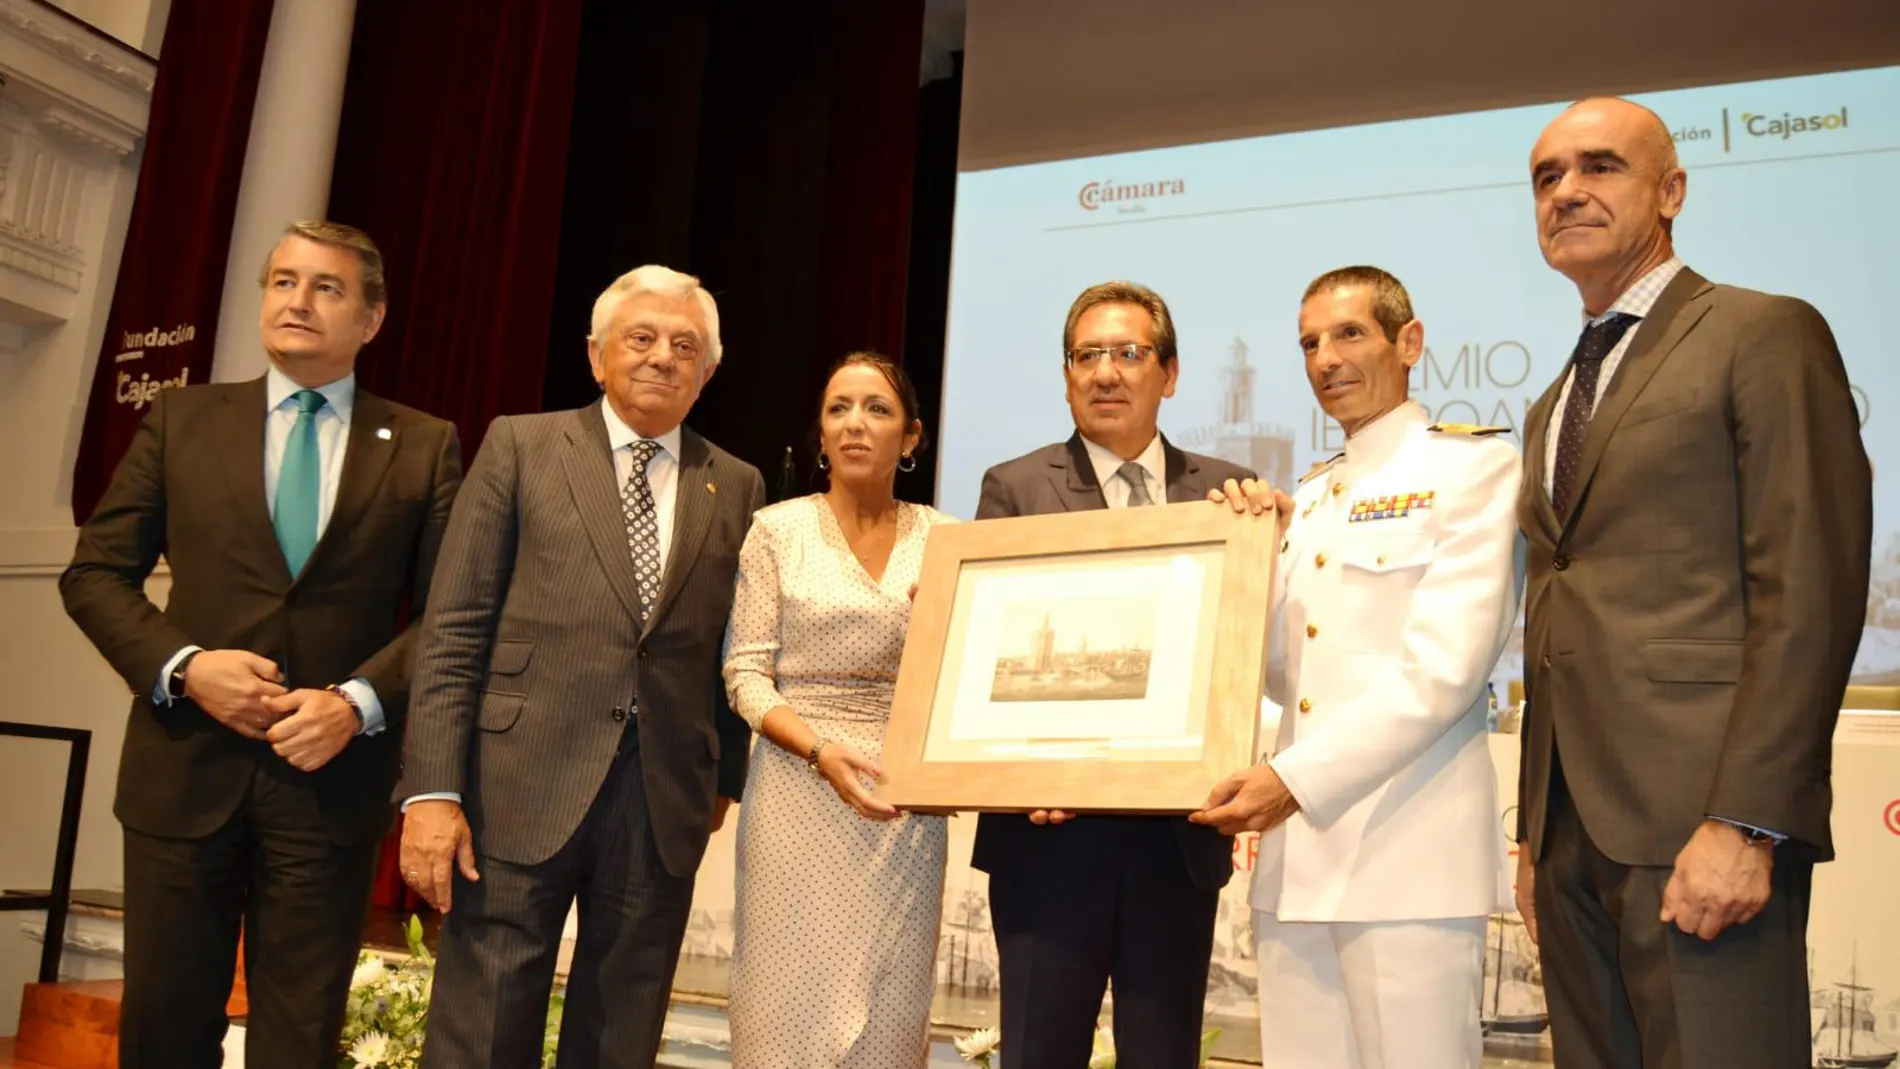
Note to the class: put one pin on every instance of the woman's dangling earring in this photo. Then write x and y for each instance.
(824, 463)
(907, 463)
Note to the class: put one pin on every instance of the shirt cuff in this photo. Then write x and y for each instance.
(366, 703)
(161, 694)
(1775, 835)
(1292, 786)
(432, 796)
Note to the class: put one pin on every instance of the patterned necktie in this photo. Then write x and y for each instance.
(1586, 365)
(299, 484)
(1137, 479)
(643, 524)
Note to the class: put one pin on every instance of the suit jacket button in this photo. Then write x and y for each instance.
(620, 714)
(641, 653)
(1560, 562)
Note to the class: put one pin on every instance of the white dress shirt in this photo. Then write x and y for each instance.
(1636, 301)
(663, 471)
(333, 442)
(1115, 488)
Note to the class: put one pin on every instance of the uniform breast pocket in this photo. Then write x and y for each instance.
(1377, 572)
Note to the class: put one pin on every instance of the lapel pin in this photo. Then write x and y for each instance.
(384, 433)
(711, 489)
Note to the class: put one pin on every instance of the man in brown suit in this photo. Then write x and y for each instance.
(1699, 514)
(299, 514)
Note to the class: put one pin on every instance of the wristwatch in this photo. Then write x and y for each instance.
(1756, 836)
(811, 759)
(175, 684)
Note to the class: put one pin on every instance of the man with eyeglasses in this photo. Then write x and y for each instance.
(1079, 903)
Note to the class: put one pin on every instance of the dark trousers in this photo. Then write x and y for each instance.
(502, 933)
(300, 900)
(1062, 937)
(1627, 991)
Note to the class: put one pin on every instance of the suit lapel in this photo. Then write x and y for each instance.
(1536, 430)
(694, 495)
(1667, 323)
(1179, 466)
(589, 465)
(240, 433)
(1074, 478)
(366, 460)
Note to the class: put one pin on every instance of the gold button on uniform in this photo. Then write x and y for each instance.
(1381, 559)
(1305, 706)
(1319, 561)
(1338, 488)
(1312, 631)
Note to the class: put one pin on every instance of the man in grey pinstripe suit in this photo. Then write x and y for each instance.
(568, 735)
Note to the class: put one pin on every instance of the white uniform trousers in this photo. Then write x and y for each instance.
(1395, 995)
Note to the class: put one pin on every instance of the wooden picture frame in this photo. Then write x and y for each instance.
(1003, 706)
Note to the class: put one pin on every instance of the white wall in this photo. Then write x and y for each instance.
(76, 105)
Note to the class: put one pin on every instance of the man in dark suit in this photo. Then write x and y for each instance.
(570, 734)
(1077, 903)
(1698, 507)
(298, 514)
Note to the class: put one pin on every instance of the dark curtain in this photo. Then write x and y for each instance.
(774, 159)
(164, 318)
(927, 309)
(451, 154)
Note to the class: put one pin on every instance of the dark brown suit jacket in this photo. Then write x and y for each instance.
(533, 658)
(1691, 624)
(1060, 478)
(191, 489)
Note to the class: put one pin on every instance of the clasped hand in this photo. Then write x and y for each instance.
(245, 693)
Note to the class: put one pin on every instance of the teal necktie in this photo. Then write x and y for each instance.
(300, 484)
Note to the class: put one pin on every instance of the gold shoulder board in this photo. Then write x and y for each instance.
(1476, 430)
(1319, 467)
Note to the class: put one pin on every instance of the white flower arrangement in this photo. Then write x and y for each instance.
(387, 1014)
(985, 1044)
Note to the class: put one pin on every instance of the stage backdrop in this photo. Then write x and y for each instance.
(1789, 190)
(1854, 937)
(171, 277)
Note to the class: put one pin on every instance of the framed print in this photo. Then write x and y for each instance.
(1102, 661)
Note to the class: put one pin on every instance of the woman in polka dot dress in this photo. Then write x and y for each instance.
(839, 895)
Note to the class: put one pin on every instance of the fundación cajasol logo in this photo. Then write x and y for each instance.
(1785, 125)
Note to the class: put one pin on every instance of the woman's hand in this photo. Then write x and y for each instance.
(844, 767)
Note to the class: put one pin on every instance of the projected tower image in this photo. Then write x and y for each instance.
(1265, 448)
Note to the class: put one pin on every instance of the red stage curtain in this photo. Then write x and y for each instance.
(451, 153)
(171, 278)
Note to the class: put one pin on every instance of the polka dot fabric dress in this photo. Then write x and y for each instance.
(835, 933)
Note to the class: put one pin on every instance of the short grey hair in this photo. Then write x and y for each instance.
(342, 236)
(666, 282)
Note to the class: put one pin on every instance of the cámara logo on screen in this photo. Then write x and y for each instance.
(1786, 126)
(1128, 196)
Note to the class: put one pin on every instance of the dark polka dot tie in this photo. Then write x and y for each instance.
(1586, 364)
(643, 525)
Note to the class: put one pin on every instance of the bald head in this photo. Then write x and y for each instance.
(1642, 128)
(1608, 189)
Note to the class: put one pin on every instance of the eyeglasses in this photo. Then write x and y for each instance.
(1123, 356)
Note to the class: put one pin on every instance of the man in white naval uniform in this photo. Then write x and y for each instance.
(1381, 853)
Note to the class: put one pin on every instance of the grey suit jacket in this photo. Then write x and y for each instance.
(1691, 624)
(1059, 478)
(533, 659)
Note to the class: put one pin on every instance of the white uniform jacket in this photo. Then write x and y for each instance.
(1399, 584)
